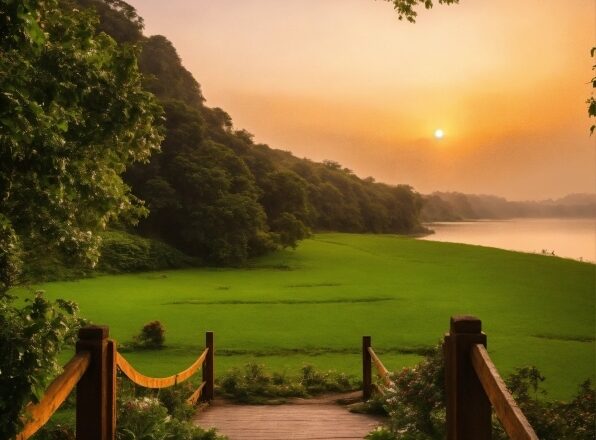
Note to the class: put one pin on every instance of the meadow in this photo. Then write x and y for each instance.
(313, 304)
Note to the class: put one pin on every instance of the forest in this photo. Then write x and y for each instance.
(218, 196)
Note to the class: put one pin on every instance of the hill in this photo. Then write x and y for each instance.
(453, 206)
(214, 193)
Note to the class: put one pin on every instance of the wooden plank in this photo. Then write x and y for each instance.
(158, 382)
(306, 421)
(383, 372)
(194, 398)
(55, 395)
(515, 423)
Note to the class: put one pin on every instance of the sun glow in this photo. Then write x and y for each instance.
(439, 134)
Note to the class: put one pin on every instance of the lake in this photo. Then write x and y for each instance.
(569, 238)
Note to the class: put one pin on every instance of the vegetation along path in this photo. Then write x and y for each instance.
(320, 418)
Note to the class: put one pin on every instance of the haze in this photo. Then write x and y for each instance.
(345, 80)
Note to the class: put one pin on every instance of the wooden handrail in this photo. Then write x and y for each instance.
(512, 418)
(159, 382)
(55, 395)
(383, 372)
(194, 398)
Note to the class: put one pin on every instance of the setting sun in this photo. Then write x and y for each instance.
(439, 134)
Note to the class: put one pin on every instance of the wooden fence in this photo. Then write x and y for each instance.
(93, 371)
(473, 385)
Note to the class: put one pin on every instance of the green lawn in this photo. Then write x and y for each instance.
(314, 304)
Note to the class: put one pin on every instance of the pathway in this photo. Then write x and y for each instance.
(312, 419)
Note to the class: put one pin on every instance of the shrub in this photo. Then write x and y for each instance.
(254, 384)
(152, 336)
(146, 418)
(31, 336)
(124, 252)
(416, 405)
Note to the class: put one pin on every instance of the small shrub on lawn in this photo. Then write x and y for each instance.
(152, 336)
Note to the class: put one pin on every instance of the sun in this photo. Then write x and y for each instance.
(439, 134)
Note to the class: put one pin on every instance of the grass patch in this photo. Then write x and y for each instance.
(421, 284)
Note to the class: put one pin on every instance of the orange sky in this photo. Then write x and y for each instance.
(345, 80)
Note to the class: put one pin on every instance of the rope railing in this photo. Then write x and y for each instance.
(159, 382)
(58, 391)
(93, 371)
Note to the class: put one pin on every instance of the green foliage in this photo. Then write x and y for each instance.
(406, 8)
(121, 252)
(254, 384)
(380, 433)
(152, 336)
(73, 115)
(31, 336)
(416, 405)
(552, 420)
(146, 418)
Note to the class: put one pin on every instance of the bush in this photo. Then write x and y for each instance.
(31, 336)
(124, 252)
(416, 405)
(152, 336)
(146, 418)
(254, 384)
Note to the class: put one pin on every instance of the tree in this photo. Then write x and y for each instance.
(406, 8)
(73, 115)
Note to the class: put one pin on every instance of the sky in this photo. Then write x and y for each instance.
(345, 80)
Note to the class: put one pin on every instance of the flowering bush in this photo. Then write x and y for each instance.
(416, 405)
(147, 419)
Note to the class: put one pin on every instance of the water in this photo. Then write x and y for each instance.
(569, 238)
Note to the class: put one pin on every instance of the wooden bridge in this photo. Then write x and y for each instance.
(473, 388)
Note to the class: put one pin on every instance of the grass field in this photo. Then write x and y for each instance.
(314, 304)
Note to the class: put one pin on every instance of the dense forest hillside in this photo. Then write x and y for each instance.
(214, 193)
(453, 206)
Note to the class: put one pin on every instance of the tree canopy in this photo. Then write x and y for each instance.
(73, 116)
(407, 8)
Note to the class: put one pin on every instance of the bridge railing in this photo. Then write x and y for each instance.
(93, 371)
(473, 385)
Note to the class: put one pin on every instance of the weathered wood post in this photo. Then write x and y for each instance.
(208, 368)
(468, 407)
(366, 368)
(96, 396)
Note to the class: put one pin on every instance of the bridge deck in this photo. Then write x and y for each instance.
(311, 419)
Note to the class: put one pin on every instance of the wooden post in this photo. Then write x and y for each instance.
(366, 368)
(95, 413)
(208, 368)
(468, 407)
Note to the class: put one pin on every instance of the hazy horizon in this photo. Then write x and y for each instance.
(345, 80)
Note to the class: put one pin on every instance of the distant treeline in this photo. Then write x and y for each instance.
(453, 206)
(214, 193)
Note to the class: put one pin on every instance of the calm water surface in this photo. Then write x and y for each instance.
(570, 238)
